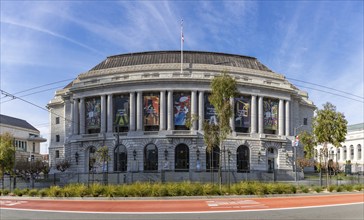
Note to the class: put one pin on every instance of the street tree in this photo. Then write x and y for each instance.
(223, 88)
(7, 155)
(63, 165)
(329, 127)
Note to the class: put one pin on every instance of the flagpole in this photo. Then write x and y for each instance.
(182, 46)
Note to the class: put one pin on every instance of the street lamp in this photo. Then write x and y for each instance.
(295, 145)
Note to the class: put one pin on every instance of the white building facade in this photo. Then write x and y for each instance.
(138, 104)
(350, 152)
(27, 138)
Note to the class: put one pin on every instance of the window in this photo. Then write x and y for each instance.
(120, 158)
(182, 157)
(338, 154)
(359, 152)
(304, 121)
(212, 159)
(57, 153)
(57, 138)
(150, 158)
(57, 120)
(351, 152)
(344, 153)
(33, 147)
(242, 159)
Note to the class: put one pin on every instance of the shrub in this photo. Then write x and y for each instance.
(5, 192)
(110, 190)
(348, 188)
(317, 189)
(304, 189)
(54, 191)
(358, 187)
(339, 189)
(331, 188)
(33, 192)
(42, 192)
(18, 192)
(96, 190)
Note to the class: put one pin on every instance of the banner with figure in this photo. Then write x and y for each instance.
(242, 113)
(270, 109)
(121, 111)
(151, 110)
(93, 114)
(210, 113)
(182, 107)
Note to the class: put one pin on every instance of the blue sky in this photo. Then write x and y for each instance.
(314, 41)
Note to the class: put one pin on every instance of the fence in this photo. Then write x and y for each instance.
(61, 179)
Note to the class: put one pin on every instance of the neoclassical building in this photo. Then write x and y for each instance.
(137, 105)
(350, 150)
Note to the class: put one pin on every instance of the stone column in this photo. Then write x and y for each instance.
(260, 115)
(75, 119)
(132, 111)
(82, 116)
(103, 114)
(139, 111)
(170, 111)
(201, 110)
(253, 115)
(110, 113)
(194, 109)
(72, 124)
(281, 117)
(231, 122)
(162, 120)
(288, 118)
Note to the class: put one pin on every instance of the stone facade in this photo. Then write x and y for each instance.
(148, 130)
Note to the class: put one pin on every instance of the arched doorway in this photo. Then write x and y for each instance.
(182, 155)
(212, 159)
(120, 158)
(243, 159)
(92, 159)
(271, 159)
(151, 158)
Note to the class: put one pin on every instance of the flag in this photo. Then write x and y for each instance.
(182, 37)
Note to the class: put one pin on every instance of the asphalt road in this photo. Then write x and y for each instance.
(339, 212)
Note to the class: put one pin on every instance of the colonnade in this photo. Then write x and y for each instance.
(167, 113)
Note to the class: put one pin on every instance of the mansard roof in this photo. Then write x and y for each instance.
(191, 57)
(16, 122)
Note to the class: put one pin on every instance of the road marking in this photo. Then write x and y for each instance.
(11, 202)
(235, 204)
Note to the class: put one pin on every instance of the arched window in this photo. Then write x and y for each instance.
(242, 159)
(338, 154)
(212, 159)
(359, 152)
(351, 152)
(344, 153)
(151, 157)
(182, 157)
(92, 159)
(120, 158)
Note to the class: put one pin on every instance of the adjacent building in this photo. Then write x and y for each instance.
(351, 151)
(137, 105)
(27, 138)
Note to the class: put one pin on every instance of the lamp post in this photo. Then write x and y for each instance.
(295, 146)
(76, 157)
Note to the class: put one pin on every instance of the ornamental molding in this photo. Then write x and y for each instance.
(276, 145)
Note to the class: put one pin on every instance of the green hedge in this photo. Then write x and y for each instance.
(144, 189)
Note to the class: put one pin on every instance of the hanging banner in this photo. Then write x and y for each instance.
(242, 112)
(93, 113)
(121, 110)
(182, 106)
(210, 113)
(151, 110)
(270, 108)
